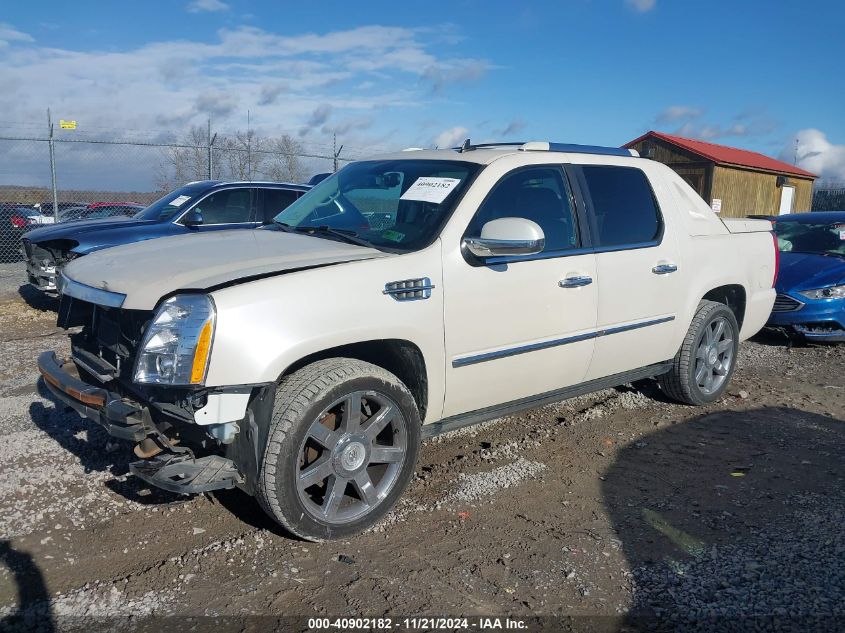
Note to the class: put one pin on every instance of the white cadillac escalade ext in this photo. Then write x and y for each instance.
(402, 297)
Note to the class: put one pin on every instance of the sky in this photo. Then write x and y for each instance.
(757, 74)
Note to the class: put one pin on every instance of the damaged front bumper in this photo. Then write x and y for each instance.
(42, 275)
(175, 468)
(821, 332)
(119, 417)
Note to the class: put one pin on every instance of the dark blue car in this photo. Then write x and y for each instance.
(199, 206)
(811, 282)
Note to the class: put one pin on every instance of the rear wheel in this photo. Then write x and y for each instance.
(703, 366)
(343, 444)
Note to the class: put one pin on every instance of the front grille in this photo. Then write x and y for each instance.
(785, 303)
(112, 334)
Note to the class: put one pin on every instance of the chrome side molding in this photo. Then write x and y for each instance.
(533, 347)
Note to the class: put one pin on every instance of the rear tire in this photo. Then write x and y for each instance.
(703, 366)
(342, 446)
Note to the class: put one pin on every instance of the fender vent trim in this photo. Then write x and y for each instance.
(409, 289)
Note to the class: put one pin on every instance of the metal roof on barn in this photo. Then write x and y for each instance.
(725, 155)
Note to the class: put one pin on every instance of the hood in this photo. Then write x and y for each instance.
(806, 271)
(147, 271)
(72, 229)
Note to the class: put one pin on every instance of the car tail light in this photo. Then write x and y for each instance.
(777, 259)
(18, 222)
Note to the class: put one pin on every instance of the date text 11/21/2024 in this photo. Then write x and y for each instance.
(416, 623)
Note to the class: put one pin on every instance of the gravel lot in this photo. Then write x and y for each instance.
(618, 505)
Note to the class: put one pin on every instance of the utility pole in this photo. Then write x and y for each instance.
(335, 150)
(211, 140)
(248, 149)
(795, 156)
(53, 166)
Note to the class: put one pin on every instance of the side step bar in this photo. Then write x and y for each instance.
(491, 413)
(184, 474)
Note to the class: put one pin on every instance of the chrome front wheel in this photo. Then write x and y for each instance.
(351, 456)
(341, 447)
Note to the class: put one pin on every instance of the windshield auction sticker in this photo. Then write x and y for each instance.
(430, 189)
(178, 202)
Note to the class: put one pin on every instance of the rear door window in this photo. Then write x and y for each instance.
(624, 208)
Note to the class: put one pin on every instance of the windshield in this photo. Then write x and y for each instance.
(826, 238)
(167, 206)
(392, 204)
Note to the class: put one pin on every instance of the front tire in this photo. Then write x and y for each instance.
(703, 366)
(342, 446)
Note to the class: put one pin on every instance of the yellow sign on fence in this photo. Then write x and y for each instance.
(67, 125)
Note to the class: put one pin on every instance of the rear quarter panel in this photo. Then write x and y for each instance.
(712, 257)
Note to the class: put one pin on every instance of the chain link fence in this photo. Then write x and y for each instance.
(93, 178)
(830, 198)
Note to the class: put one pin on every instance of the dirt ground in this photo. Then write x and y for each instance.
(604, 509)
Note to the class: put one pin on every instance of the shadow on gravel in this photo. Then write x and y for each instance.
(33, 609)
(734, 520)
(246, 509)
(36, 299)
(95, 449)
(779, 338)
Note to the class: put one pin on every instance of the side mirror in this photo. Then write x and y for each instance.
(192, 218)
(507, 236)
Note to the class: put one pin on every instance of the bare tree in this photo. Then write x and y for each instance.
(185, 162)
(244, 154)
(283, 159)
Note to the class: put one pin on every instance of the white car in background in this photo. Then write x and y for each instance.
(43, 216)
(404, 296)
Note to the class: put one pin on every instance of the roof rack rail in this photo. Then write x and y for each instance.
(546, 146)
(467, 146)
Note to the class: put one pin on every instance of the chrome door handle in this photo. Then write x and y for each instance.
(575, 282)
(664, 269)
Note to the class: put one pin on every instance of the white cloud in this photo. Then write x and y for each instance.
(9, 34)
(451, 137)
(817, 154)
(676, 113)
(691, 122)
(707, 131)
(641, 6)
(216, 103)
(285, 81)
(207, 6)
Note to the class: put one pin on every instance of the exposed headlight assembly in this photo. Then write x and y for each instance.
(831, 292)
(177, 344)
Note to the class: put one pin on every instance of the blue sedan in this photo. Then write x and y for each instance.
(197, 207)
(811, 282)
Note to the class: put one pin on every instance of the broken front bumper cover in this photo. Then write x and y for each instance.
(119, 417)
(176, 471)
(184, 474)
(820, 333)
(41, 276)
